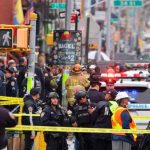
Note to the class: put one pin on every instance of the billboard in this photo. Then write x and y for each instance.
(67, 47)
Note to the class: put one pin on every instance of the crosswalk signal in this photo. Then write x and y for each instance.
(6, 38)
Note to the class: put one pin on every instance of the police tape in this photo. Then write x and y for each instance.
(18, 115)
(37, 115)
(7, 98)
(13, 102)
(75, 129)
(141, 117)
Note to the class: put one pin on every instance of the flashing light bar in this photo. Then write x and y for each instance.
(137, 65)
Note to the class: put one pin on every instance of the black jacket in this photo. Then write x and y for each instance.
(5, 121)
(95, 96)
(30, 104)
(101, 118)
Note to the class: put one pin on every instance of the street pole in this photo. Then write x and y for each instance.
(31, 66)
(108, 39)
(87, 39)
(68, 14)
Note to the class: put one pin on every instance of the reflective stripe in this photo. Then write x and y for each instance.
(117, 122)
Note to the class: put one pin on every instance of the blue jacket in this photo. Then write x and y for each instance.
(126, 120)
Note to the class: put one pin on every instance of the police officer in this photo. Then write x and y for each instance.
(101, 118)
(11, 82)
(6, 120)
(54, 115)
(110, 97)
(81, 112)
(30, 107)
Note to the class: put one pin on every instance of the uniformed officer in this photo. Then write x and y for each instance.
(6, 120)
(81, 112)
(11, 83)
(54, 115)
(30, 107)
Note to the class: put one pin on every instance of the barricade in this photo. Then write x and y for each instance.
(40, 144)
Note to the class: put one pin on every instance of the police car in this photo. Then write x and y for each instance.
(134, 82)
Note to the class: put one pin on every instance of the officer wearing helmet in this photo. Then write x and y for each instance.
(82, 115)
(54, 115)
(122, 119)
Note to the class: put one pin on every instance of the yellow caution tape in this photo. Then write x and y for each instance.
(6, 98)
(13, 102)
(141, 117)
(35, 115)
(74, 129)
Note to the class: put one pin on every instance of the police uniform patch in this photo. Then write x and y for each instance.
(42, 114)
(12, 83)
(30, 109)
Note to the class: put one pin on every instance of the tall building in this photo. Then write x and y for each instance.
(6, 11)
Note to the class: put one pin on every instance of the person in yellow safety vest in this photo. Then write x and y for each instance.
(110, 97)
(121, 119)
(75, 79)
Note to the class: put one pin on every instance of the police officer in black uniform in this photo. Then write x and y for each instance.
(6, 120)
(82, 113)
(54, 115)
(11, 82)
(31, 107)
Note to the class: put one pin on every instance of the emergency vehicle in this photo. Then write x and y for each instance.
(134, 82)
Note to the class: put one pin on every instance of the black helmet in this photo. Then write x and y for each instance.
(80, 94)
(52, 95)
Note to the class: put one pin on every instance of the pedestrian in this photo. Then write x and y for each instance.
(6, 120)
(82, 117)
(54, 115)
(30, 107)
(122, 119)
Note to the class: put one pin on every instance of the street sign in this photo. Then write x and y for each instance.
(6, 38)
(130, 3)
(67, 47)
(57, 5)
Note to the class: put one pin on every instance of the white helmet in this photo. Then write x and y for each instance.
(121, 95)
(92, 67)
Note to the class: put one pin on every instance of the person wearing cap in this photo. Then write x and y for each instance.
(121, 119)
(110, 84)
(30, 107)
(110, 97)
(76, 78)
(11, 82)
(54, 115)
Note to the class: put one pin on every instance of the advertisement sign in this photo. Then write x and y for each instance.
(67, 47)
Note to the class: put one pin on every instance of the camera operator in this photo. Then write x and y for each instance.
(54, 115)
(81, 113)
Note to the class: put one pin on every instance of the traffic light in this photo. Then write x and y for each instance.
(6, 38)
(22, 38)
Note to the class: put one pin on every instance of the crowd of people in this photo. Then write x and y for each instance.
(87, 105)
